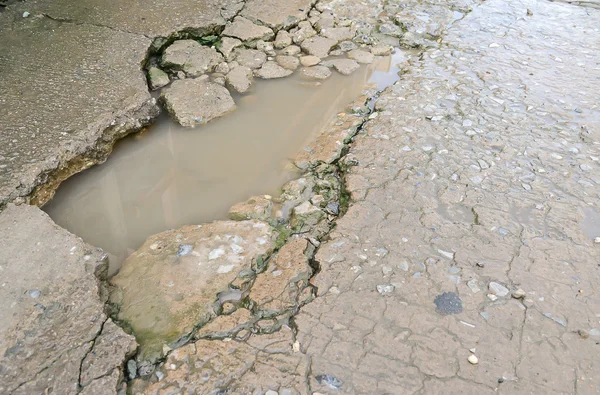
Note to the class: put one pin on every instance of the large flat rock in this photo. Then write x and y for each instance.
(54, 334)
(68, 90)
(171, 283)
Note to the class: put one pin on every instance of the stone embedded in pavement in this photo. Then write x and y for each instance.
(448, 303)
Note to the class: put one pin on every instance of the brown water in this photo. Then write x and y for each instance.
(170, 176)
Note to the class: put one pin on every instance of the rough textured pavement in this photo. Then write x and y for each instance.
(480, 167)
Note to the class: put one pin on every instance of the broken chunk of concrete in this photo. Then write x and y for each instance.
(343, 66)
(190, 57)
(157, 78)
(257, 207)
(164, 295)
(239, 79)
(194, 102)
(309, 60)
(227, 45)
(361, 56)
(282, 40)
(338, 34)
(272, 70)
(316, 72)
(288, 62)
(251, 58)
(247, 31)
(318, 46)
(305, 216)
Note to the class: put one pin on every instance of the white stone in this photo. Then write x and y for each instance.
(473, 360)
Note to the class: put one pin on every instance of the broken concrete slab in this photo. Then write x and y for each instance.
(277, 14)
(171, 284)
(56, 122)
(226, 46)
(54, 332)
(190, 57)
(239, 79)
(247, 31)
(338, 34)
(272, 70)
(195, 102)
(318, 46)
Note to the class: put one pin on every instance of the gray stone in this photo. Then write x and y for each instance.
(157, 78)
(361, 56)
(291, 50)
(190, 57)
(316, 72)
(272, 70)
(251, 58)
(318, 46)
(498, 289)
(287, 62)
(282, 40)
(227, 45)
(194, 102)
(266, 47)
(239, 79)
(448, 303)
(62, 339)
(346, 46)
(305, 216)
(343, 66)
(247, 31)
(257, 207)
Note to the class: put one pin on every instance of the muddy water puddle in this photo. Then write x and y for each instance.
(169, 176)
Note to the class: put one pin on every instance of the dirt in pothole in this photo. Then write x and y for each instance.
(170, 176)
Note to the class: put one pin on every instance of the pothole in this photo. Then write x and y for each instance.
(169, 176)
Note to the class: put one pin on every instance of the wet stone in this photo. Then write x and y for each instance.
(190, 57)
(257, 207)
(361, 56)
(343, 66)
(162, 302)
(316, 72)
(306, 216)
(381, 50)
(346, 46)
(239, 79)
(245, 30)
(157, 78)
(272, 70)
(193, 102)
(250, 58)
(338, 34)
(448, 303)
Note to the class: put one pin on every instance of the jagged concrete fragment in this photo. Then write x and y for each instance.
(251, 58)
(195, 102)
(288, 62)
(343, 66)
(272, 70)
(54, 332)
(247, 31)
(190, 57)
(227, 45)
(318, 46)
(171, 283)
(282, 40)
(157, 78)
(338, 34)
(239, 79)
(361, 56)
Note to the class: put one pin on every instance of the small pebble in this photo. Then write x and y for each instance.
(473, 360)
(518, 294)
(501, 380)
(26, 14)
(583, 333)
(597, 240)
